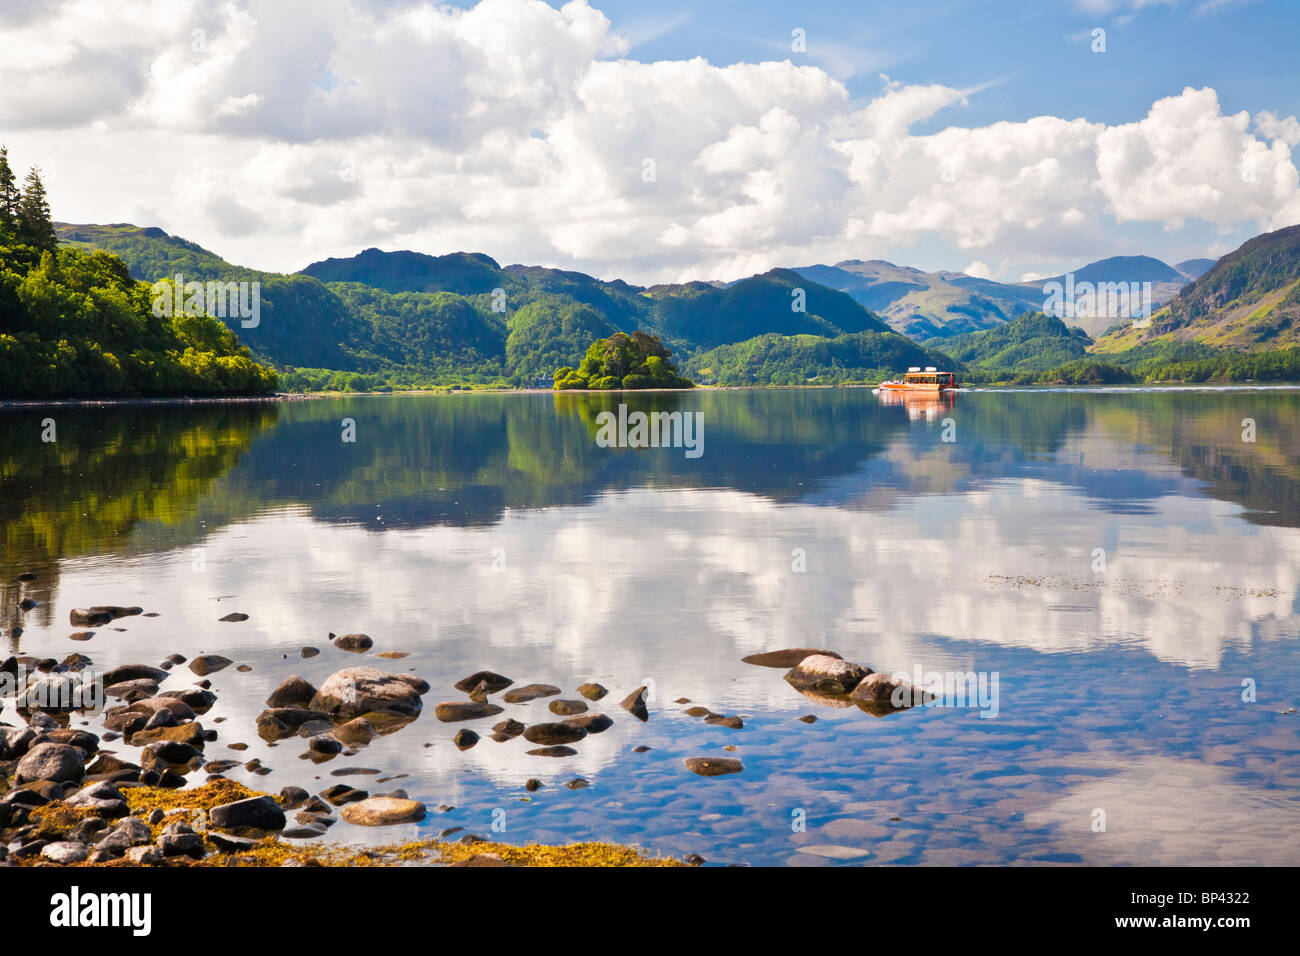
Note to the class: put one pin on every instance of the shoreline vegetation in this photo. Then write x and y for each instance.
(75, 323)
(70, 796)
(137, 400)
(159, 809)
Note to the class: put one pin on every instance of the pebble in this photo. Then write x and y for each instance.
(356, 643)
(495, 682)
(560, 751)
(522, 695)
(634, 704)
(563, 708)
(713, 766)
(453, 710)
(206, 664)
(550, 734)
(382, 811)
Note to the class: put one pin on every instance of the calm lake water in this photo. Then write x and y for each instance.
(1124, 562)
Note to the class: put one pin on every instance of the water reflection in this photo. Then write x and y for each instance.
(489, 531)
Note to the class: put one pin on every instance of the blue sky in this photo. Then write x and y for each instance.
(1028, 58)
(664, 143)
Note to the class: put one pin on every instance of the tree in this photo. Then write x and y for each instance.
(35, 225)
(8, 195)
(623, 361)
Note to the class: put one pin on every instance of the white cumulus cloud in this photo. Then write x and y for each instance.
(278, 133)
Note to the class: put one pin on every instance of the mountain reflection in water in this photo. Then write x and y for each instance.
(1123, 560)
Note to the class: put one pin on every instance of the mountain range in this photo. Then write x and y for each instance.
(415, 319)
(930, 305)
(407, 319)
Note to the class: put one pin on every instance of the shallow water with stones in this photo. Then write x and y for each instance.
(491, 531)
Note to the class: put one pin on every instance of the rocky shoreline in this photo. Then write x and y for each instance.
(70, 797)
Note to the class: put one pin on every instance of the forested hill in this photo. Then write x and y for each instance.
(77, 323)
(1247, 301)
(406, 319)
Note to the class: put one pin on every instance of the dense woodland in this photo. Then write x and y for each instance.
(623, 361)
(76, 323)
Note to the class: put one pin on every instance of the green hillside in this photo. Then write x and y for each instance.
(924, 305)
(700, 315)
(1247, 301)
(1031, 343)
(855, 358)
(76, 323)
(406, 319)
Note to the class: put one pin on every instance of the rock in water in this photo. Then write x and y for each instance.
(125, 673)
(355, 691)
(790, 657)
(558, 751)
(164, 755)
(465, 739)
(565, 708)
(880, 694)
(356, 731)
(826, 675)
(324, 744)
(509, 729)
(357, 643)
(261, 813)
(382, 812)
(713, 766)
(592, 691)
(234, 617)
(495, 682)
(293, 691)
(452, 710)
(552, 734)
(100, 614)
(718, 720)
(591, 723)
(522, 695)
(206, 664)
(58, 762)
(199, 700)
(634, 704)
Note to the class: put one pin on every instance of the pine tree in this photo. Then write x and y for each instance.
(8, 196)
(34, 223)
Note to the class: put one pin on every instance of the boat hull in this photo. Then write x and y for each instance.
(931, 389)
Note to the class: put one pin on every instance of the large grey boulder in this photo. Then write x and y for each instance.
(826, 674)
(354, 691)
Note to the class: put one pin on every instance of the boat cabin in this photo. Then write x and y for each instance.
(930, 378)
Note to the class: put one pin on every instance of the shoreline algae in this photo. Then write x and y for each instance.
(192, 806)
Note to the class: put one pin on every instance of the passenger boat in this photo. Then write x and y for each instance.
(917, 380)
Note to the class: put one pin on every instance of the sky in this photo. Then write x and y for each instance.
(666, 142)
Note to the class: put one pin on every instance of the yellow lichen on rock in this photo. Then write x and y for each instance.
(192, 804)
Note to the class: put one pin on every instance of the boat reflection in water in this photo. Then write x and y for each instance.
(928, 406)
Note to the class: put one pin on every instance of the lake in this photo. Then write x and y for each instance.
(1125, 564)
